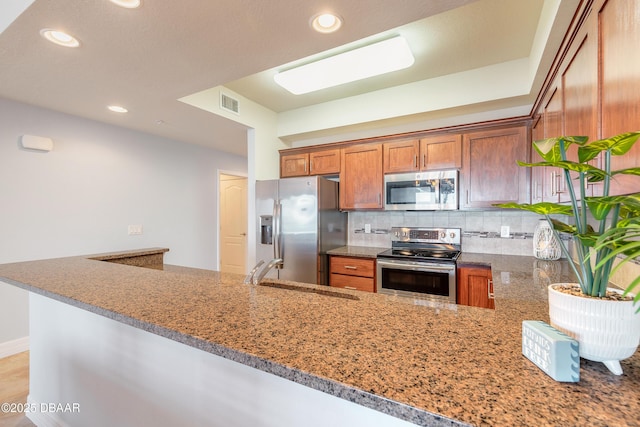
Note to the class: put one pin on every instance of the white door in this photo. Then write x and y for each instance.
(233, 224)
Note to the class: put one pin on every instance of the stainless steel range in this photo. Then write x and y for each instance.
(421, 262)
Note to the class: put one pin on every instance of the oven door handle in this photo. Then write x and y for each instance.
(414, 266)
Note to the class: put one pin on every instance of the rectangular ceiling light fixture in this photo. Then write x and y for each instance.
(372, 60)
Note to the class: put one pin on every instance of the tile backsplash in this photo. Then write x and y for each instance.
(481, 229)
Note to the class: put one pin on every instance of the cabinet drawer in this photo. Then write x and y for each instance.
(353, 266)
(352, 282)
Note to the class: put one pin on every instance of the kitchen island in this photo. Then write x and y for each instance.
(400, 358)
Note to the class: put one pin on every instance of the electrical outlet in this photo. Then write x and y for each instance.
(505, 277)
(504, 231)
(367, 228)
(135, 230)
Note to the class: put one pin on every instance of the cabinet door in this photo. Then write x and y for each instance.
(361, 177)
(537, 174)
(353, 273)
(324, 162)
(401, 156)
(353, 266)
(620, 82)
(490, 173)
(580, 98)
(294, 165)
(357, 283)
(553, 126)
(441, 152)
(475, 286)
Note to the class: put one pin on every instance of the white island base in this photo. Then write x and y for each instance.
(88, 370)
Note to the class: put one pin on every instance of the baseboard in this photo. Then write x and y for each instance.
(10, 348)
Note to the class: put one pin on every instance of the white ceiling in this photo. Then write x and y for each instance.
(148, 58)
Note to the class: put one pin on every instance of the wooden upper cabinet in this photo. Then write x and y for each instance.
(620, 81)
(401, 156)
(431, 153)
(294, 165)
(361, 177)
(553, 126)
(324, 162)
(537, 173)
(441, 152)
(490, 173)
(580, 98)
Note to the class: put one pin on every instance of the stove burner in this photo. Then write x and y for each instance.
(437, 244)
(421, 254)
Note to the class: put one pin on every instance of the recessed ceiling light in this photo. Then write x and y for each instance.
(326, 22)
(117, 109)
(59, 37)
(372, 60)
(129, 4)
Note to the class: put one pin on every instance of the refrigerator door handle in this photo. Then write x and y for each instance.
(277, 210)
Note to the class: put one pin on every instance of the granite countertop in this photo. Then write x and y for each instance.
(357, 251)
(429, 363)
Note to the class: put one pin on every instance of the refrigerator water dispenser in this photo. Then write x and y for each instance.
(266, 229)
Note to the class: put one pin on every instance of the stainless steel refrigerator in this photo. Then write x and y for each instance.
(298, 220)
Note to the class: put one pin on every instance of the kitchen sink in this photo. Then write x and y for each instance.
(308, 290)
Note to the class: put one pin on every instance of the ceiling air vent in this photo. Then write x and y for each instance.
(229, 104)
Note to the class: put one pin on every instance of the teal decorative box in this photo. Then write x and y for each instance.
(551, 350)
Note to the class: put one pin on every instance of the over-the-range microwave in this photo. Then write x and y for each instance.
(421, 191)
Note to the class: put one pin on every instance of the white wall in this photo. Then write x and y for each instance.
(262, 145)
(80, 197)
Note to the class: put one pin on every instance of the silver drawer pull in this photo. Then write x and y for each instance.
(490, 294)
(351, 287)
(350, 267)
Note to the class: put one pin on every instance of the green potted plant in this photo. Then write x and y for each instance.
(603, 227)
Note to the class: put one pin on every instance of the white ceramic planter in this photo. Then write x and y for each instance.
(607, 331)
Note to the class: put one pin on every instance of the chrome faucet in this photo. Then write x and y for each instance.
(258, 278)
(249, 278)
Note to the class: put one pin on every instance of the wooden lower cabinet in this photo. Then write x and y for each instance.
(352, 273)
(475, 286)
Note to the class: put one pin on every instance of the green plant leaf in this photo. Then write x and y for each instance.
(600, 206)
(630, 288)
(630, 223)
(549, 149)
(588, 240)
(592, 173)
(630, 249)
(619, 145)
(544, 208)
(629, 171)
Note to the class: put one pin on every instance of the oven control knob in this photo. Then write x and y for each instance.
(443, 234)
(452, 234)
